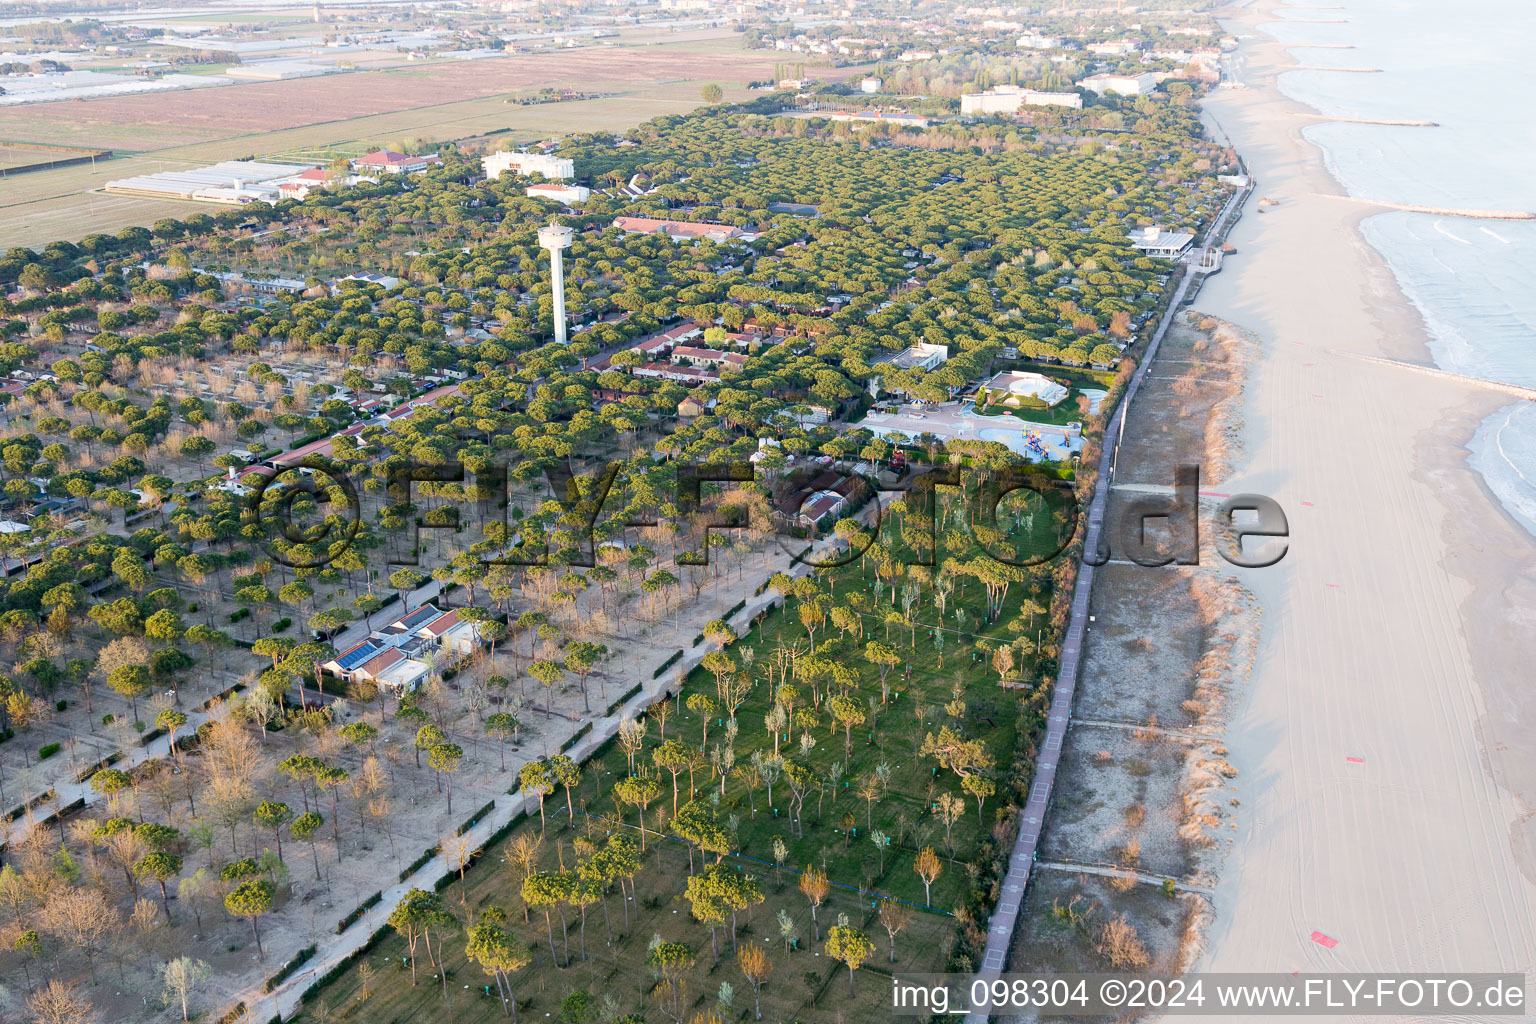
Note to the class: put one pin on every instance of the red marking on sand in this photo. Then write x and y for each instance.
(1355, 760)
(1324, 940)
(1307, 504)
(1335, 586)
(1214, 494)
(1308, 364)
(1295, 974)
(1317, 396)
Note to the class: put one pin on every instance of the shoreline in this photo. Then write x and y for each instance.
(1419, 856)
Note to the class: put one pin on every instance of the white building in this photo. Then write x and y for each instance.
(387, 161)
(234, 182)
(922, 356)
(1034, 41)
(1115, 47)
(528, 163)
(384, 281)
(1125, 85)
(1169, 245)
(570, 195)
(1008, 387)
(870, 84)
(1009, 99)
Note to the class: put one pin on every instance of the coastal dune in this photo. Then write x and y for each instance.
(1377, 752)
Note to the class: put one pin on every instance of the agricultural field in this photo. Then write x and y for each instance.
(360, 111)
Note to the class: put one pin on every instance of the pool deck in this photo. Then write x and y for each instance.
(953, 421)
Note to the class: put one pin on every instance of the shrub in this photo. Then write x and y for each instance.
(576, 736)
(469, 822)
(415, 865)
(236, 616)
(286, 971)
(108, 719)
(281, 624)
(666, 665)
(628, 695)
(61, 705)
(362, 908)
(45, 752)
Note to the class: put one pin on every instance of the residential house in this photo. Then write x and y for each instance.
(387, 161)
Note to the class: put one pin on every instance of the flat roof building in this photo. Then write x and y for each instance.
(1008, 99)
(570, 195)
(1154, 241)
(678, 230)
(528, 163)
(922, 356)
(1124, 85)
(233, 182)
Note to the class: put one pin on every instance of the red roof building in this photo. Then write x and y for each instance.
(390, 162)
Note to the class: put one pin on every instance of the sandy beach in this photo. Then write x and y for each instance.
(1387, 764)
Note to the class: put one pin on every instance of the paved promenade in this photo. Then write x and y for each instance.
(1005, 916)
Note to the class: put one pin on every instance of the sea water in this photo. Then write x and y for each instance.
(1467, 67)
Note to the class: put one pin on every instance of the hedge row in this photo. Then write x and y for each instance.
(106, 762)
(666, 665)
(223, 694)
(470, 822)
(363, 908)
(628, 695)
(738, 606)
(285, 972)
(504, 831)
(576, 737)
(417, 864)
(21, 809)
(47, 750)
(344, 965)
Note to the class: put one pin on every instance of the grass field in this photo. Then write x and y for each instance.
(14, 156)
(842, 816)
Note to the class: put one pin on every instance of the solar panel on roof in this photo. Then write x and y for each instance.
(357, 655)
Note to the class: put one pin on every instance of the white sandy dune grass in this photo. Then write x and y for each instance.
(1410, 857)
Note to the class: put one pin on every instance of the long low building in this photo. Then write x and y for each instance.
(1124, 85)
(1169, 245)
(1009, 99)
(233, 182)
(678, 230)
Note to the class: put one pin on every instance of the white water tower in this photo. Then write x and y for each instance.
(557, 238)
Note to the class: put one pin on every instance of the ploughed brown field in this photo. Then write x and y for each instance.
(273, 106)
